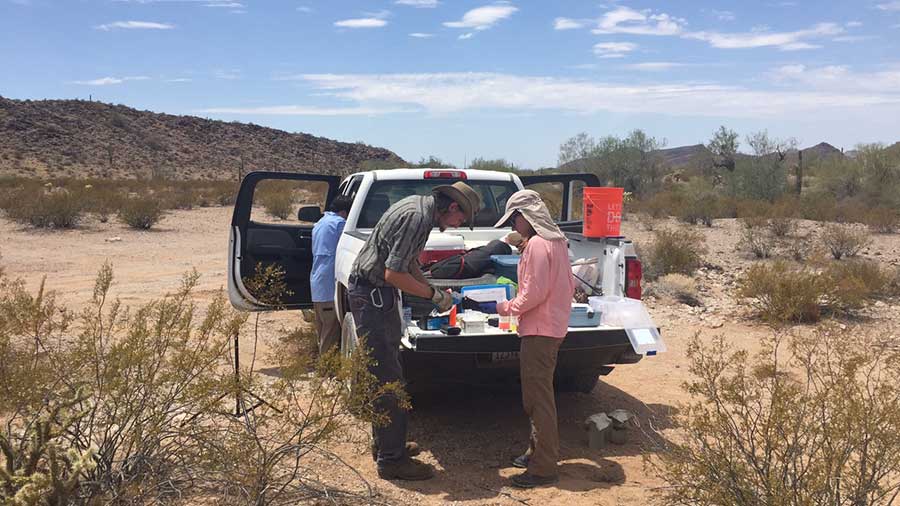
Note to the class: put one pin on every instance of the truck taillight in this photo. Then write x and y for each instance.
(633, 275)
(431, 256)
(445, 174)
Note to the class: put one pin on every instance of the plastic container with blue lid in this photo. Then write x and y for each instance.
(506, 265)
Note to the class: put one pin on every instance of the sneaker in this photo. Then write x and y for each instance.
(521, 461)
(412, 449)
(406, 469)
(528, 480)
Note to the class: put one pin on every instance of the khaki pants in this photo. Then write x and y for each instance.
(328, 326)
(537, 363)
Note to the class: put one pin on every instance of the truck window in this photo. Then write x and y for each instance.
(277, 201)
(383, 194)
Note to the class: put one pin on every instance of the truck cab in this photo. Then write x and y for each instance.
(429, 356)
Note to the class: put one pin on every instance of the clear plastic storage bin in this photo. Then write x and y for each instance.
(631, 315)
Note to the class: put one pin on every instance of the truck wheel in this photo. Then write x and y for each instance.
(582, 382)
(349, 340)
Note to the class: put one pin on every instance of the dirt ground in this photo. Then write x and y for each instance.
(468, 434)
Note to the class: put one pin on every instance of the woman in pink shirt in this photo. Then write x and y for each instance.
(543, 304)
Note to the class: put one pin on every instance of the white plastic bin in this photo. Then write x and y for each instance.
(631, 315)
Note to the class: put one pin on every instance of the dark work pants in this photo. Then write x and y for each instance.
(378, 319)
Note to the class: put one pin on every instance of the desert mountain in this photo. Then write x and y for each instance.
(77, 138)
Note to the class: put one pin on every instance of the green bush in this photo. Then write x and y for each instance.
(809, 420)
(843, 240)
(279, 204)
(675, 251)
(781, 294)
(40, 209)
(882, 220)
(141, 212)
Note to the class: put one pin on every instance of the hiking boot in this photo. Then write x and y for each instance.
(412, 449)
(528, 480)
(406, 469)
(521, 461)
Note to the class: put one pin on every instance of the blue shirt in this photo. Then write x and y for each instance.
(325, 235)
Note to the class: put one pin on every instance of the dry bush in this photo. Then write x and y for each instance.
(752, 209)
(782, 216)
(678, 251)
(780, 294)
(103, 202)
(756, 240)
(127, 409)
(661, 205)
(798, 247)
(882, 220)
(854, 283)
(811, 420)
(676, 287)
(141, 212)
(843, 240)
(277, 202)
(40, 209)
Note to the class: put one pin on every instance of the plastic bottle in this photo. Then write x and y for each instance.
(513, 323)
(504, 323)
(452, 320)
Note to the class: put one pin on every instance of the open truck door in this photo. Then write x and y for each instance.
(271, 231)
(563, 194)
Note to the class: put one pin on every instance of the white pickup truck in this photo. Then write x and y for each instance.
(433, 356)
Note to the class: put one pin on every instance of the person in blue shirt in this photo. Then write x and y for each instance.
(325, 235)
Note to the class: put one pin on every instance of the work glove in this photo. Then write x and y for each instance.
(443, 300)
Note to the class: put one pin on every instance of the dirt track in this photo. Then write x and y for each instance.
(468, 434)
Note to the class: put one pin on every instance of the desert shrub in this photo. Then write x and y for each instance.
(756, 221)
(661, 204)
(809, 420)
(278, 203)
(677, 287)
(782, 216)
(798, 247)
(181, 197)
(752, 209)
(102, 202)
(819, 206)
(675, 251)
(40, 209)
(781, 294)
(882, 220)
(127, 408)
(854, 283)
(843, 240)
(756, 240)
(141, 212)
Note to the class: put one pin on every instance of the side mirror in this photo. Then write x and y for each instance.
(311, 214)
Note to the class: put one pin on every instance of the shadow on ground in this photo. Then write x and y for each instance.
(472, 434)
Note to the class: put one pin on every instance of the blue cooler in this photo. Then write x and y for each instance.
(506, 265)
(583, 315)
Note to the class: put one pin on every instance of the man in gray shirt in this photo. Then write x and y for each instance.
(388, 263)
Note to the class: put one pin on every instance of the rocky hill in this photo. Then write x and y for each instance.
(76, 138)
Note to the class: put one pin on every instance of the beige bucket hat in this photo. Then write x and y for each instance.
(467, 198)
(529, 203)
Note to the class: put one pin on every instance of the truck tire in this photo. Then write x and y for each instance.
(583, 382)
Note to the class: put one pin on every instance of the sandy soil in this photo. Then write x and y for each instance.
(468, 434)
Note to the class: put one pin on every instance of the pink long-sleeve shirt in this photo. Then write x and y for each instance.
(546, 286)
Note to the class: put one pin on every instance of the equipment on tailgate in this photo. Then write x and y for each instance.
(470, 264)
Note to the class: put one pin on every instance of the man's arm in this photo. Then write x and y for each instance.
(408, 283)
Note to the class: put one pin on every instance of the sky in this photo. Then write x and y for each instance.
(460, 79)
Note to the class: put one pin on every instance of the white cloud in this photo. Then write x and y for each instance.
(304, 8)
(420, 35)
(485, 17)
(585, 66)
(107, 81)
(299, 110)
(229, 5)
(227, 74)
(853, 38)
(837, 78)
(787, 41)
(445, 93)
(853, 24)
(889, 6)
(567, 24)
(723, 15)
(654, 66)
(419, 4)
(135, 25)
(180, 80)
(630, 21)
(613, 49)
(361, 23)
(465, 36)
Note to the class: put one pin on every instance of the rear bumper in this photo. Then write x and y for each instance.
(582, 339)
